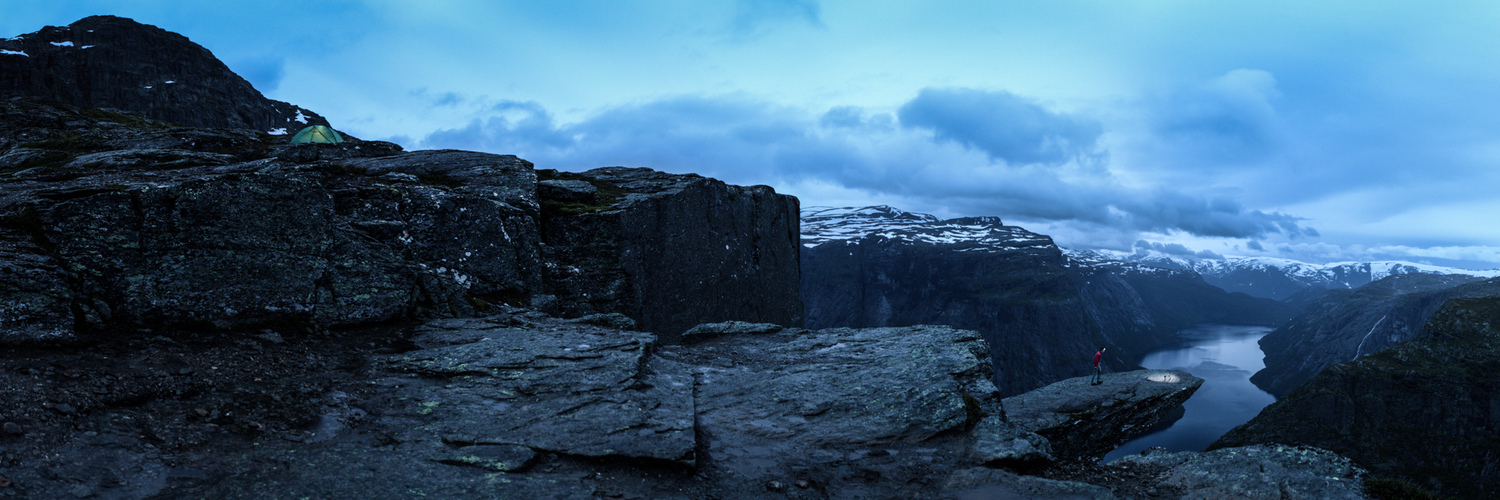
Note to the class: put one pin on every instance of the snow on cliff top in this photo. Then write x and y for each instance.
(824, 224)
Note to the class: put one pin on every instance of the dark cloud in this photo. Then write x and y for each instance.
(510, 126)
(1178, 249)
(746, 141)
(1165, 210)
(1003, 125)
(853, 117)
(1255, 245)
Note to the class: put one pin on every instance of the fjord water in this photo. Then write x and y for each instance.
(1224, 356)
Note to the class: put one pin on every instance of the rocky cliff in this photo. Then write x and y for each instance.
(109, 220)
(1426, 410)
(1080, 419)
(1343, 326)
(114, 224)
(671, 251)
(113, 62)
(1044, 311)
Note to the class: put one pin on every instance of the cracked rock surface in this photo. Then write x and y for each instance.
(523, 405)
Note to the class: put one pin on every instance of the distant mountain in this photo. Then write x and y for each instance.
(1345, 325)
(1043, 311)
(116, 63)
(1281, 279)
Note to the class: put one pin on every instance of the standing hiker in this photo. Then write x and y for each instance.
(1097, 357)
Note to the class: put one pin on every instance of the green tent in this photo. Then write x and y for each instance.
(318, 133)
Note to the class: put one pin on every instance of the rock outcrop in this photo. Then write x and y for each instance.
(115, 226)
(1084, 420)
(670, 251)
(109, 220)
(1426, 410)
(1343, 326)
(117, 63)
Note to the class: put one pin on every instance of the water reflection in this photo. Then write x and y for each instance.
(1224, 356)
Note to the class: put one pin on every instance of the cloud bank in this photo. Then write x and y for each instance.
(946, 150)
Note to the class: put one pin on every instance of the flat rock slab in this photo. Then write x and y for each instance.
(877, 413)
(565, 388)
(1083, 420)
(1256, 472)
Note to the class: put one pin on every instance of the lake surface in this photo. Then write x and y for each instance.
(1224, 356)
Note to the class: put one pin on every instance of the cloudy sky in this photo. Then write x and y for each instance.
(1320, 131)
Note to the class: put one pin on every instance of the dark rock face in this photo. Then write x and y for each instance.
(670, 251)
(1045, 312)
(172, 235)
(1343, 326)
(1021, 300)
(110, 220)
(1426, 410)
(113, 62)
(1083, 420)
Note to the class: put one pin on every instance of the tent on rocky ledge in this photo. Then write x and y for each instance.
(318, 133)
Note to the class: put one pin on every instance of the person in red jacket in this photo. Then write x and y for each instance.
(1097, 357)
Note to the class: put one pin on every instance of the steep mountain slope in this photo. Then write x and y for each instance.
(114, 62)
(1044, 311)
(1427, 410)
(1343, 325)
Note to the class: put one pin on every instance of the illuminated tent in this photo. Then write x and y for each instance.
(318, 133)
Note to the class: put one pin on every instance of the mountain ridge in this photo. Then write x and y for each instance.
(117, 63)
(1280, 278)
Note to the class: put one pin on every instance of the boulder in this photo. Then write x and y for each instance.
(710, 330)
(1083, 420)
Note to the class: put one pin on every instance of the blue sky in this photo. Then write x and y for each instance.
(1319, 131)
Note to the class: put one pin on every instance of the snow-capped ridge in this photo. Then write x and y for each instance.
(988, 233)
(1278, 278)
